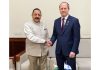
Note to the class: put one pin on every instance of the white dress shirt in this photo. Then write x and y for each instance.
(64, 19)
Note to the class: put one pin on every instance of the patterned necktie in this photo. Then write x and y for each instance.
(63, 23)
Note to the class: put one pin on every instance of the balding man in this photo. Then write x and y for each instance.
(67, 33)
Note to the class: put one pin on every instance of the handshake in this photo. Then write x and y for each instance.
(48, 43)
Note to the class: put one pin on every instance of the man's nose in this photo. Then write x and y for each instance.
(63, 9)
(37, 15)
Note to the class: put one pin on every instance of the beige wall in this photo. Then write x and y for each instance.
(20, 12)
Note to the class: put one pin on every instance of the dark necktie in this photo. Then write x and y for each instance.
(63, 23)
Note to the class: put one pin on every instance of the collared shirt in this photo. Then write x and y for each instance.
(64, 19)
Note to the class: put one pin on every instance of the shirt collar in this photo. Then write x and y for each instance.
(39, 23)
(65, 17)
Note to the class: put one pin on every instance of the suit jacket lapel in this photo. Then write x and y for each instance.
(59, 25)
(67, 23)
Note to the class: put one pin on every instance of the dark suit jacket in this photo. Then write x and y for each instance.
(68, 39)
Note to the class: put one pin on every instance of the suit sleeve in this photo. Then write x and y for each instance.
(31, 36)
(54, 35)
(76, 32)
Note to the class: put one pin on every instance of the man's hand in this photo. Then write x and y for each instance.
(72, 54)
(48, 43)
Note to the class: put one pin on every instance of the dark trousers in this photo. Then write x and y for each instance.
(61, 59)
